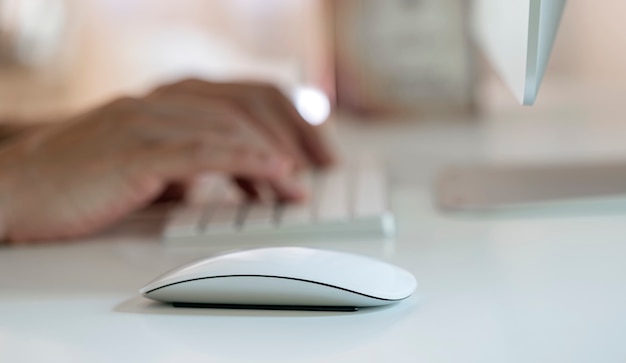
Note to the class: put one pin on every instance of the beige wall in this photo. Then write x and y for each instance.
(592, 42)
(123, 45)
(118, 46)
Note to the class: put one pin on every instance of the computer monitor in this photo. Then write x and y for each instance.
(517, 38)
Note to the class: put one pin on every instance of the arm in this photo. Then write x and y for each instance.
(70, 179)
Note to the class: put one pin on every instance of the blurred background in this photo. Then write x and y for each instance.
(370, 58)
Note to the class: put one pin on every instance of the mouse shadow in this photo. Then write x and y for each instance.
(270, 335)
(141, 305)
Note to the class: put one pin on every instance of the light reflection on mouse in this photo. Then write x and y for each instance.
(284, 278)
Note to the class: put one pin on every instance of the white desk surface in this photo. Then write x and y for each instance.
(526, 288)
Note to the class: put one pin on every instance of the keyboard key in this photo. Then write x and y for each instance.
(224, 211)
(294, 214)
(302, 213)
(371, 188)
(259, 216)
(332, 196)
(183, 222)
(225, 218)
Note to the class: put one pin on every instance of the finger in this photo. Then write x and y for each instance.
(288, 190)
(278, 116)
(186, 160)
(308, 135)
(176, 118)
(263, 116)
(279, 190)
(259, 111)
(219, 118)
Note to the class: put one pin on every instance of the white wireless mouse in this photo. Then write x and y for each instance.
(283, 278)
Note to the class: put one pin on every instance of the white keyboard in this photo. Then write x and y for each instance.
(350, 201)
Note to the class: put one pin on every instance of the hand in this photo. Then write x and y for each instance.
(71, 179)
(267, 109)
